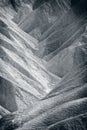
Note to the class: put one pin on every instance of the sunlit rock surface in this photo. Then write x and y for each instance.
(43, 66)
